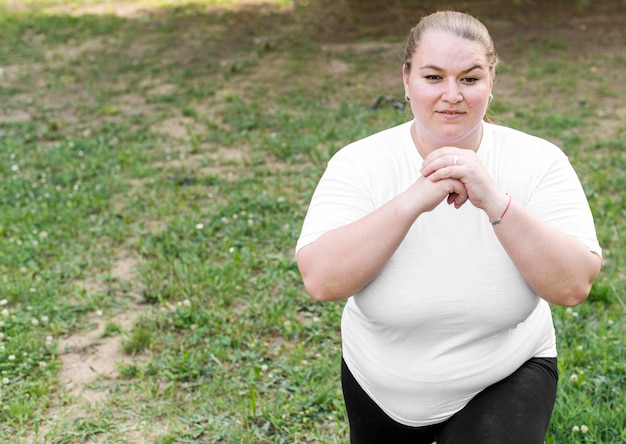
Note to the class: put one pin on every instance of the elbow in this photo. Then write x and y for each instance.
(567, 294)
(314, 290)
(312, 285)
(317, 283)
(577, 290)
(581, 291)
(576, 293)
(576, 296)
(566, 297)
(318, 291)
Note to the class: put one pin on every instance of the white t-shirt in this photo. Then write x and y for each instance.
(449, 314)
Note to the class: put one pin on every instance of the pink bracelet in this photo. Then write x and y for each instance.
(498, 220)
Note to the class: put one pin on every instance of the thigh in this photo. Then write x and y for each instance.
(369, 424)
(516, 410)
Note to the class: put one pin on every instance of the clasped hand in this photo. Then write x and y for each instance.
(461, 174)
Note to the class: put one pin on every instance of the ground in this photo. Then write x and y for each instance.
(597, 27)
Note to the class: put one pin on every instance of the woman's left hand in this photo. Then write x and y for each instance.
(564, 270)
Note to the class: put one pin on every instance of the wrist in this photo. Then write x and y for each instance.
(496, 217)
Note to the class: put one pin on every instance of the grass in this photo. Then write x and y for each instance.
(185, 142)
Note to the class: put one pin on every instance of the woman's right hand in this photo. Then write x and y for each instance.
(342, 261)
(427, 195)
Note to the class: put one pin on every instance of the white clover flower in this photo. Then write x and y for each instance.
(4, 302)
(579, 348)
(1, 336)
(5, 312)
(99, 312)
(573, 377)
(11, 357)
(584, 428)
(15, 168)
(44, 319)
(187, 303)
(43, 235)
(5, 380)
(35, 322)
(231, 250)
(575, 429)
(49, 339)
(199, 226)
(43, 364)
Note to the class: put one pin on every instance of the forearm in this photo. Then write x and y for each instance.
(557, 266)
(344, 260)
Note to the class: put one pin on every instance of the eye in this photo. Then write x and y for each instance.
(433, 77)
(470, 80)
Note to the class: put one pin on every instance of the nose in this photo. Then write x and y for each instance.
(452, 92)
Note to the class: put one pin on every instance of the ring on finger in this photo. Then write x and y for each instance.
(455, 160)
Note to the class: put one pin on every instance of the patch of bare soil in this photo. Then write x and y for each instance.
(90, 358)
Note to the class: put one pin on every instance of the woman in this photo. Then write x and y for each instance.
(447, 333)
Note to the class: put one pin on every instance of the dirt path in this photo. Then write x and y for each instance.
(90, 358)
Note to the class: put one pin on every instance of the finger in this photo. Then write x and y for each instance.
(451, 198)
(444, 158)
(459, 196)
(460, 199)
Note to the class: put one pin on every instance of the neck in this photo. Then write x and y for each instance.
(426, 145)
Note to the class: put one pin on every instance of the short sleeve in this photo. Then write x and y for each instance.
(559, 200)
(342, 196)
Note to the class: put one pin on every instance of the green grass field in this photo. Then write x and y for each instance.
(157, 160)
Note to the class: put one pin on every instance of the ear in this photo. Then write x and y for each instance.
(405, 78)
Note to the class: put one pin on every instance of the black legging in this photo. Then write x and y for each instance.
(515, 410)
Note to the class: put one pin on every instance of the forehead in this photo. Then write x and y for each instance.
(445, 49)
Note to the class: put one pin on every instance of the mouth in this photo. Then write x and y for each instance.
(451, 113)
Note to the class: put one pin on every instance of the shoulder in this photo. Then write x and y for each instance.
(515, 143)
(512, 136)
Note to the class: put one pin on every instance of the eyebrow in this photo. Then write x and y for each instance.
(437, 68)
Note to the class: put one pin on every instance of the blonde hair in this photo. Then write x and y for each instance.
(458, 23)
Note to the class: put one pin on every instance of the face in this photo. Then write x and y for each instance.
(448, 86)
